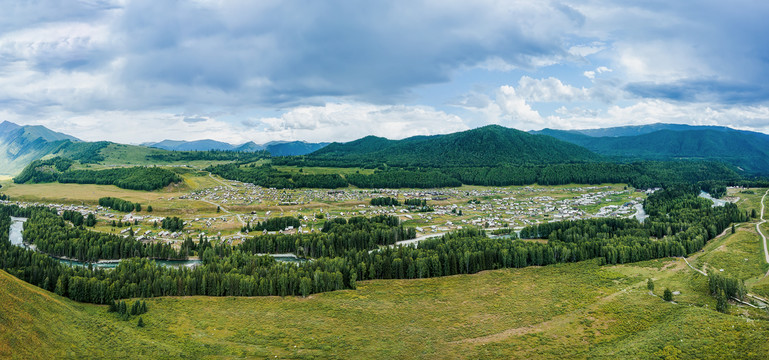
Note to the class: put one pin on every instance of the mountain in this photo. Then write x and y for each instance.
(197, 145)
(486, 146)
(746, 150)
(633, 130)
(20, 145)
(289, 148)
(276, 148)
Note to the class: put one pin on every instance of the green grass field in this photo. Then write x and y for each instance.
(563, 311)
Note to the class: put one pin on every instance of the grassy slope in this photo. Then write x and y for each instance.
(571, 310)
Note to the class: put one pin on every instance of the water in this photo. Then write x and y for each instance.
(17, 224)
(716, 202)
(640, 213)
(17, 239)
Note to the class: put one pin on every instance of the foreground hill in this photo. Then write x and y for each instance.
(487, 146)
(747, 150)
(564, 311)
(20, 145)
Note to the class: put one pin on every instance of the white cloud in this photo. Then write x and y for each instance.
(550, 90)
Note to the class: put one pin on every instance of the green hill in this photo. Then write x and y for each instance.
(746, 150)
(486, 146)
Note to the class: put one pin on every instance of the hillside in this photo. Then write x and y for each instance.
(486, 146)
(20, 145)
(746, 150)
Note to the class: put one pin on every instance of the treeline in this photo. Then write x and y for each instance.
(679, 223)
(385, 201)
(337, 237)
(348, 251)
(268, 176)
(210, 155)
(274, 224)
(119, 204)
(134, 178)
(51, 235)
(78, 219)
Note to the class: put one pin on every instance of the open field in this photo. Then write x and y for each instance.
(565, 311)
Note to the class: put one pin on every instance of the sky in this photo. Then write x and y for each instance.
(238, 71)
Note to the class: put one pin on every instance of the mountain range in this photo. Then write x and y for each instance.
(20, 145)
(749, 151)
(275, 148)
(486, 146)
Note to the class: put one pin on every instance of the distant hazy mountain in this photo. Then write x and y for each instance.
(276, 148)
(20, 145)
(486, 146)
(643, 129)
(289, 148)
(744, 149)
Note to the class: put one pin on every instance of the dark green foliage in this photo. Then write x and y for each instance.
(274, 224)
(215, 155)
(398, 178)
(268, 176)
(385, 201)
(74, 217)
(118, 204)
(53, 236)
(487, 146)
(149, 208)
(667, 295)
(172, 224)
(726, 286)
(90, 220)
(134, 178)
(749, 151)
(85, 152)
(650, 285)
(140, 323)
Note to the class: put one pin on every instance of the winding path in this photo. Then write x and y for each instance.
(758, 227)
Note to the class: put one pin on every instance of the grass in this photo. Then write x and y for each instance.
(563, 311)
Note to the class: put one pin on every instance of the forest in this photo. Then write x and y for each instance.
(346, 251)
(133, 178)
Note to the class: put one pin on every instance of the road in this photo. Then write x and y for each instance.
(219, 205)
(758, 227)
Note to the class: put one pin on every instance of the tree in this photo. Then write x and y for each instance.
(650, 285)
(90, 220)
(721, 303)
(305, 286)
(138, 207)
(149, 208)
(733, 230)
(218, 209)
(140, 323)
(667, 295)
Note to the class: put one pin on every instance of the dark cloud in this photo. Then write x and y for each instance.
(701, 91)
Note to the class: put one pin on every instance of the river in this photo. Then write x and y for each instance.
(17, 239)
(716, 202)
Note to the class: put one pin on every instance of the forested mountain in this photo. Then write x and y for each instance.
(289, 148)
(747, 150)
(276, 148)
(485, 146)
(20, 145)
(633, 130)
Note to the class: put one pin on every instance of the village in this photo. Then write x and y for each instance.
(239, 204)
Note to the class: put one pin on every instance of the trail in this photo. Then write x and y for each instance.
(758, 228)
(219, 205)
(557, 321)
